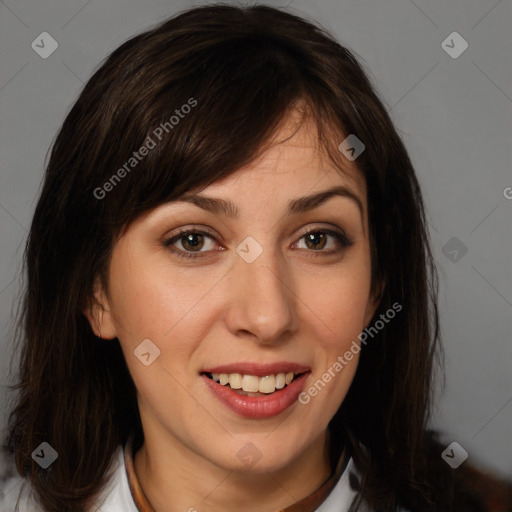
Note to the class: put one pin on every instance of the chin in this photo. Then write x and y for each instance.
(259, 454)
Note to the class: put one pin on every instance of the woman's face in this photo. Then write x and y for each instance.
(257, 296)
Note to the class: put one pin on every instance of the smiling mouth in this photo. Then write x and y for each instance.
(252, 385)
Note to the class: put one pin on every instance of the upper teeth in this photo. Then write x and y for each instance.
(252, 383)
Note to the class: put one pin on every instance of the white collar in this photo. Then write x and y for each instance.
(118, 498)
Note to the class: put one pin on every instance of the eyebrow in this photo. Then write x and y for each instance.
(299, 205)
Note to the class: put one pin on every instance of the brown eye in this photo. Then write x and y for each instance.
(316, 240)
(191, 241)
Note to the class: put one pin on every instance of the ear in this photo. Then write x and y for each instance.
(373, 302)
(98, 313)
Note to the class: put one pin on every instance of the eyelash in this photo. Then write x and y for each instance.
(341, 238)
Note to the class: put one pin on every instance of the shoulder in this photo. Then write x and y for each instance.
(115, 498)
(16, 491)
(344, 493)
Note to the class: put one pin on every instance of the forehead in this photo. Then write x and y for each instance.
(293, 161)
(290, 167)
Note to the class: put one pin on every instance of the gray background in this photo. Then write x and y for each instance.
(455, 116)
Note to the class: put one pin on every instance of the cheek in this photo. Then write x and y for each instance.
(150, 305)
(337, 302)
(170, 307)
(336, 306)
(151, 300)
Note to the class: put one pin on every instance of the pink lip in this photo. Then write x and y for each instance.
(259, 370)
(257, 406)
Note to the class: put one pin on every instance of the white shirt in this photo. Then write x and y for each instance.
(117, 496)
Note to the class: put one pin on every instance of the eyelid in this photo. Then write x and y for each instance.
(333, 229)
(190, 229)
(335, 232)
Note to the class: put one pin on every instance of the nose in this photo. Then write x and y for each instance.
(261, 299)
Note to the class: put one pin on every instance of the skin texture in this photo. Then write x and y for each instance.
(295, 302)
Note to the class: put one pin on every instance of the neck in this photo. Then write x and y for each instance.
(189, 482)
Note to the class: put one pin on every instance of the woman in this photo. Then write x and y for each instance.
(231, 300)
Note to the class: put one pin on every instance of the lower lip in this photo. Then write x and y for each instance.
(258, 406)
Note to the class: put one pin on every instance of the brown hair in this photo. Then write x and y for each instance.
(244, 68)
